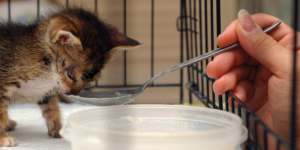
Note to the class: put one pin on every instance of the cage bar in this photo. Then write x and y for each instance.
(125, 53)
(9, 7)
(232, 105)
(38, 10)
(201, 47)
(206, 44)
(239, 109)
(96, 7)
(181, 49)
(255, 132)
(196, 45)
(278, 145)
(265, 137)
(226, 101)
(152, 39)
(248, 125)
(294, 81)
(185, 27)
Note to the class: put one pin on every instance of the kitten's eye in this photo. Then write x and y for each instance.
(85, 76)
(63, 63)
(72, 78)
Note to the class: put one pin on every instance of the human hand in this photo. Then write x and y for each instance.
(260, 71)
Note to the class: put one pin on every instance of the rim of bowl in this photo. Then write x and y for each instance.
(233, 127)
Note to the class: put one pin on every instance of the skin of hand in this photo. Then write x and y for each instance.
(259, 72)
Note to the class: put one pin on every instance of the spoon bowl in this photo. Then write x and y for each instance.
(106, 98)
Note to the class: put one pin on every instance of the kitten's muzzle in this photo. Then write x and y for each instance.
(73, 92)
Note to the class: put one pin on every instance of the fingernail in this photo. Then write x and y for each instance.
(246, 21)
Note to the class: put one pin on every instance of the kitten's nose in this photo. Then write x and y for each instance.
(68, 93)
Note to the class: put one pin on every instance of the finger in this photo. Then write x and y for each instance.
(229, 80)
(222, 63)
(244, 91)
(262, 46)
(288, 41)
(229, 36)
(260, 84)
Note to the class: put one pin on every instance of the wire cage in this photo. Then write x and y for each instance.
(199, 24)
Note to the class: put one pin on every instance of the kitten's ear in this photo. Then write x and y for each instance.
(120, 41)
(65, 38)
(62, 31)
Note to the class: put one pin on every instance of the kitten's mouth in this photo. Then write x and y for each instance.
(61, 89)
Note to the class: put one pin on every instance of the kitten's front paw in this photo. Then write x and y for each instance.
(8, 141)
(54, 135)
(53, 130)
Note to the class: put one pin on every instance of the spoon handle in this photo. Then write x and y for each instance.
(204, 56)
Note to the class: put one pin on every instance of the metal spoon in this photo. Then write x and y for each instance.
(119, 97)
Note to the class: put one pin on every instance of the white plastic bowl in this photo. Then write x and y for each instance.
(154, 127)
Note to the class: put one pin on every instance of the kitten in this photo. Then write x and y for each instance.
(62, 52)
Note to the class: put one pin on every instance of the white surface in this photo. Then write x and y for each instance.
(31, 130)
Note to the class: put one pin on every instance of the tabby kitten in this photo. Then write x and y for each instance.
(62, 52)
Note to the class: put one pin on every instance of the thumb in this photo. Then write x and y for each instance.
(260, 45)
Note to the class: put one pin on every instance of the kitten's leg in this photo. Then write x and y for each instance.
(51, 113)
(5, 140)
(11, 125)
